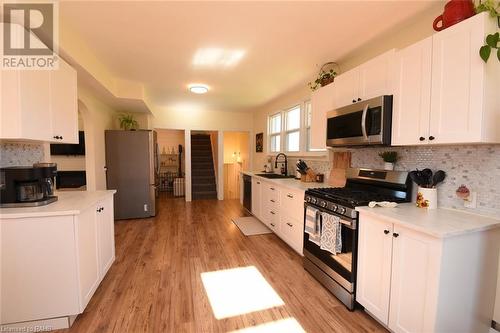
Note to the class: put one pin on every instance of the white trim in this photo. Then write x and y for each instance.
(220, 165)
(187, 157)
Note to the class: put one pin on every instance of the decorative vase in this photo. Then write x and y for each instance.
(427, 198)
(388, 166)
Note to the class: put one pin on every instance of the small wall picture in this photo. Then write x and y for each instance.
(259, 142)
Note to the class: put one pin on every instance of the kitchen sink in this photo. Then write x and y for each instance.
(273, 176)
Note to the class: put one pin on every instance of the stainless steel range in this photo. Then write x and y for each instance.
(337, 272)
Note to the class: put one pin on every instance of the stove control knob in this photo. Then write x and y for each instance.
(334, 208)
(313, 200)
(308, 199)
(342, 210)
(323, 204)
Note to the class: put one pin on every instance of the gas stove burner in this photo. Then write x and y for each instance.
(352, 197)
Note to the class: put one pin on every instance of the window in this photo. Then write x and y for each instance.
(307, 111)
(275, 132)
(292, 129)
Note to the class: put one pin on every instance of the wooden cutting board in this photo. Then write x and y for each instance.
(341, 161)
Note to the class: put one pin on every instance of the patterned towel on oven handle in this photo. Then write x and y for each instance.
(331, 237)
(312, 225)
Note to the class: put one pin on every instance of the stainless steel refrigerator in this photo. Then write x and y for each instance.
(132, 168)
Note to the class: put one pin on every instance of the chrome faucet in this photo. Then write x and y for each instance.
(285, 162)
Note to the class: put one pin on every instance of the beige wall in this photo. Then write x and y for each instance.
(406, 34)
(202, 120)
(97, 117)
(236, 142)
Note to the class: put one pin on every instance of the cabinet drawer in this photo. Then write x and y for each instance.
(272, 195)
(271, 217)
(292, 231)
(292, 203)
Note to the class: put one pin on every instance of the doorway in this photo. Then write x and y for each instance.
(172, 163)
(236, 160)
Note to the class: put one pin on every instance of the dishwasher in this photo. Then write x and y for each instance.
(247, 192)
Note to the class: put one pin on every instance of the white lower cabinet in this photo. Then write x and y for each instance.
(51, 266)
(256, 198)
(414, 282)
(281, 209)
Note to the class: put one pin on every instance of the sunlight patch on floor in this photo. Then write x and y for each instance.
(237, 291)
(288, 325)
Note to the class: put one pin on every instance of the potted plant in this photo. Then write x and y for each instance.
(324, 77)
(127, 122)
(491, 40)
(390, 158)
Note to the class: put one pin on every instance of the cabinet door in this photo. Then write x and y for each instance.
(106, 234)
(412, 94)
(64, 104)
(292, 231)
(415, 274)
(38, 269)
(375, 76)
(322, 101)
(10, 107)
(292, 203)
(374, 266)
(346, 88)
(88, 256)
(256, 198)
(457, 83)
(34, 91)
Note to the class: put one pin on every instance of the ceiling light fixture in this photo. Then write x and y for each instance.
(198, 88)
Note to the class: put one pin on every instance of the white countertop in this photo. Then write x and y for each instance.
(68, 203)
(290, 183)
(439, 222)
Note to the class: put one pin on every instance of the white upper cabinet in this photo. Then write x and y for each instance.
(445, 93)
(465, 103)
(322, 101)
(371, 79)
(375, 76)
(412, 94)
(64, 104)
(39, 105)
(346, 88)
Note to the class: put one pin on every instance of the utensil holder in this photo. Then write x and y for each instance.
(427, 198)
(309, 177)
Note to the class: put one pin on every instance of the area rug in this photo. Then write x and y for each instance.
(250, 226)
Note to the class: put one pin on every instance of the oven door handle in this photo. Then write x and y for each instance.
(347, 223)
(363, 121)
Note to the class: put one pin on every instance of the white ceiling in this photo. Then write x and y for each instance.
(283, 43)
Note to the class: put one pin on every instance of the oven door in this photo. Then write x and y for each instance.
(341, 267)
(363, 123)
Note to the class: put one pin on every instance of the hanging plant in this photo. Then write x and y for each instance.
(127, 122)
(324, 76)
(491, 40)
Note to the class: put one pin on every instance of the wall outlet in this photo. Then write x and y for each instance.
(145, 207)
(472, 202)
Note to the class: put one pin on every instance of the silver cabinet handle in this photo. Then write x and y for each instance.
(272, 200)
(272, 224)
(363, 122)
(272, 212)
(289, 224)
(290, 196)
(272, 188)
(258, 183)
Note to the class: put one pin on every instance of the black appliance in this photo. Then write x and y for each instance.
(247, 192)
(338, 272)
(71, 179)
(69, 148)
(362, 123)
(26, 186)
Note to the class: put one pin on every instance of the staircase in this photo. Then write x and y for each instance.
(202, 168)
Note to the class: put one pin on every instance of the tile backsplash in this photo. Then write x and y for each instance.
(20, 154)
(476, 166)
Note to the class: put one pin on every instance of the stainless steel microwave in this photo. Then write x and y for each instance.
(362, 123)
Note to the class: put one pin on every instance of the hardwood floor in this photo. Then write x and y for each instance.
(155, 284)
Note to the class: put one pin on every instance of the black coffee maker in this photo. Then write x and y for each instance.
(25, 186)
